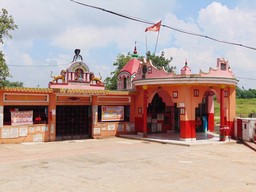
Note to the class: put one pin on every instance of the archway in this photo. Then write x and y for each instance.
(162, 113)
(206, 114)
(125, 82)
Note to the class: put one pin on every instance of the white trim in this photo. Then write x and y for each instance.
(188, 139)
(187, 80)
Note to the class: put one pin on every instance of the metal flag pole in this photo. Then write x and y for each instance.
(146, 43)
(156, 41)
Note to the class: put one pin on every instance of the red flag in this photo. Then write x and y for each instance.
(155, 27)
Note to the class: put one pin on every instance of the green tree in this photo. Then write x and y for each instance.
(245, 94)
(160, 61)
(157, 61)
(111, 82)
(7, 83)
(6, 25)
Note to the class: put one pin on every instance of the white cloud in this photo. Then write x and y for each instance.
(26, 59)
(231, 24)
(217, 21)
(63, 26)
(84, 37)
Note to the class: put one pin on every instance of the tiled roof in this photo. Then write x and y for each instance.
(91, 91)
(69, 91)
(27, 89)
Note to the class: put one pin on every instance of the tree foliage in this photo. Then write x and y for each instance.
(6, 25)
(160, 61)
(7, 83)
(245, 94)
(157, 61)
(111, 82)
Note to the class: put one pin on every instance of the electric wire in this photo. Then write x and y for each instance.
(28, 66)
(150, 23)
(166, 26)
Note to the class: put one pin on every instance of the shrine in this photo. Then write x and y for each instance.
(77, 76)
(167, 102)
(148, 100)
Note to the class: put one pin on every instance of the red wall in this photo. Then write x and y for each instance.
(138, 124)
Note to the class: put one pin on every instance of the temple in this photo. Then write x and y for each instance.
(77, 76)
(148, 100)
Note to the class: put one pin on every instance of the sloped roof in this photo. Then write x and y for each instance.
(131, 66)
(27, 89)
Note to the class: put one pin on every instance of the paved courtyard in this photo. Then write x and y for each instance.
(117, 164)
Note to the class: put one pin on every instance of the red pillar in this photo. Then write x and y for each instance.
(222, 109)
(210, 113)
(224, 129)
(145, 129)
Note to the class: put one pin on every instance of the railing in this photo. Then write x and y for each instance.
(73, 77)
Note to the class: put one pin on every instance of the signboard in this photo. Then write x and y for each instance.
(21, 117)
(112, 113)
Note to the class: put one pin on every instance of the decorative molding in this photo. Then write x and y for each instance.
(175, 94)
(113, 99)
(73, 98)
(182, 110)
(26, 98)
(196, 93)
(225, 93)
(140, 110)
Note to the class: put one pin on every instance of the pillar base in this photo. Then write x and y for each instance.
(142, 134)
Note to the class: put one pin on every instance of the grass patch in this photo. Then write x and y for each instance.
(244, 107)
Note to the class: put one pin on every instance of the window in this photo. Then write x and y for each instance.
(225, 93)
(223, 66)
(40, 113)
(149, 70)
(144, 69)
(196, 93)
(182, 110)
(125, 83)
(175, 94)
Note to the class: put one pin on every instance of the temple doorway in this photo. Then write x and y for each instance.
(206, 114)
(162, 114)
(72, 122)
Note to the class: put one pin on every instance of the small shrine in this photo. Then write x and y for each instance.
(77, 76)
(128, 73)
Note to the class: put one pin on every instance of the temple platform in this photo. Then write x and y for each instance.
(174, 138)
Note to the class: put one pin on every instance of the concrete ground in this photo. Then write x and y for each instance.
(118, 164)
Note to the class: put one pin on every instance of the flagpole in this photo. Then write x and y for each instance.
(146, 43)
(157, 41)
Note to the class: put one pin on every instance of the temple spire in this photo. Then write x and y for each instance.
(135, 53)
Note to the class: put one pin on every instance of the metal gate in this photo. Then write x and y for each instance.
(72, 122)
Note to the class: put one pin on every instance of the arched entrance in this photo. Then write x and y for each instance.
(205, 113)
(162, 114)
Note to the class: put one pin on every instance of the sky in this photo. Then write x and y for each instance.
(49, 32)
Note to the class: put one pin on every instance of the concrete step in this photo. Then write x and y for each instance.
(251, 145)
